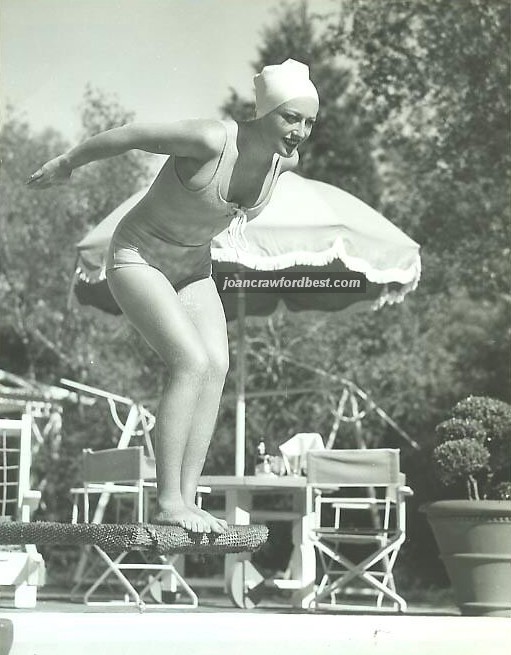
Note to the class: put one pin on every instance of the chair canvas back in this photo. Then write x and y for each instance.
(359, 468)
(117, 465)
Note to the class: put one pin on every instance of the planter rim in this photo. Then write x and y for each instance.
(467, 507)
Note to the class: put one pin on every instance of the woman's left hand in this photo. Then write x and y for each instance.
(55, 172)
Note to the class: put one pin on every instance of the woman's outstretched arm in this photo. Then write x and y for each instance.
(197, 139)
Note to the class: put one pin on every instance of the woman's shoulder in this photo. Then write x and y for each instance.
(212, 134)
(202, 138)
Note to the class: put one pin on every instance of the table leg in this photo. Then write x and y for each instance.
(243, 582)
(302, 564)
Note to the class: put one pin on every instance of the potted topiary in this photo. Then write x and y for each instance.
(472, 460)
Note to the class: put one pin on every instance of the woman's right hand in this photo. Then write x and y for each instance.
(55, 172)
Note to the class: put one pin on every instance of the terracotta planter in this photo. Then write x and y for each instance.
(474, 539)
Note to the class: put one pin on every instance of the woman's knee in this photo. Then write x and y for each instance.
(218, 366)
(191, 363)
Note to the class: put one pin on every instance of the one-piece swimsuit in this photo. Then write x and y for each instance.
(178, 243)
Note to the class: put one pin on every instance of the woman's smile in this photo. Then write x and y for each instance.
(291, 143)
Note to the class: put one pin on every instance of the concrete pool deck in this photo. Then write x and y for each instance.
(216, 628)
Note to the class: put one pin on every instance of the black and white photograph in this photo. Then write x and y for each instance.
(255, 327)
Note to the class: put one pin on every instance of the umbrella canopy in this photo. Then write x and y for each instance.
(308, 226)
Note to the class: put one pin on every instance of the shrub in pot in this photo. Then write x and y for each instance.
(472, 460)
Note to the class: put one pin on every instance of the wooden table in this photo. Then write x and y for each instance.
(243, 582)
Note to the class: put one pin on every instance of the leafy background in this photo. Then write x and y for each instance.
(415, 121)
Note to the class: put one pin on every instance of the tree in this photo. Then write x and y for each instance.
(436, 72)
(38, 232)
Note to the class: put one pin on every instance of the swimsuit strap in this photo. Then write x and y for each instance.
(227, 158)
(226, 166)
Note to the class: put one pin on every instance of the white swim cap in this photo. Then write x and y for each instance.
(280, 83)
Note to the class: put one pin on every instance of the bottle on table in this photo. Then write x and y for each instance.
(262, 460)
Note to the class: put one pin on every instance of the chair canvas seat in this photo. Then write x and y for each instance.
(369, 535)
(358, 499)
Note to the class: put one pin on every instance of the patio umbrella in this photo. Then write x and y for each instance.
(308, 226)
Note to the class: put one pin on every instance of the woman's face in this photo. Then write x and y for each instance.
(289, 125)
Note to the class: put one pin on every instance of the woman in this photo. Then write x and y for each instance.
(218, 175)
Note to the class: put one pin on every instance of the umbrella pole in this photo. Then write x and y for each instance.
(240, 386)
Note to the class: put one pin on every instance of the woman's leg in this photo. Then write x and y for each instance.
(151, 304)
(201, 302)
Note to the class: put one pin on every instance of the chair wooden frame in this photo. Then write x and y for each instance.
(373, 475)
(24, 569)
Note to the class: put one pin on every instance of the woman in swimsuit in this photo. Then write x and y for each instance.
(218, 175)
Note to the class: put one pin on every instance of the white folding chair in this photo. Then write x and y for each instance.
(358, 499)
(128, 473)
(23, 568)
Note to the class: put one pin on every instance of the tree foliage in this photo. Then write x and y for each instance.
(436, 72)
(41, 334)
(38, 233)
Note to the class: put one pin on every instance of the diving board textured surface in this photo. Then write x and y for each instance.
(160, 539)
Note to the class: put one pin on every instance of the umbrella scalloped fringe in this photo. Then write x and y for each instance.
(409, 277)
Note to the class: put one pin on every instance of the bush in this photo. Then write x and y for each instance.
(503, 491)
(457, 428)
(495, 417)
(474, 446)
(460, 459)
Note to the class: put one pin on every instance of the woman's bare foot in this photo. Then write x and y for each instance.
(217, 525)
(184, 517)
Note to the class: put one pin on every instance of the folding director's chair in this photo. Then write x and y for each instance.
(128, 473)
(358, 499)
